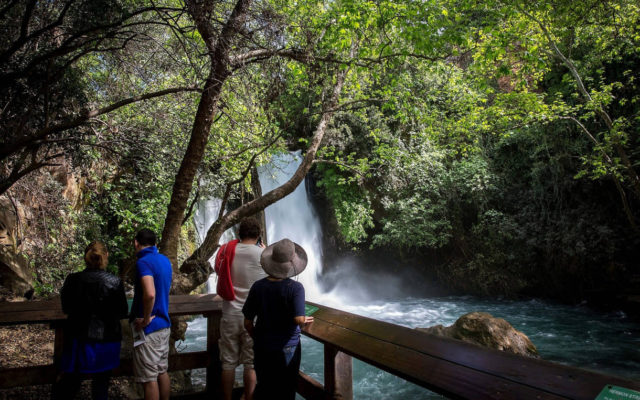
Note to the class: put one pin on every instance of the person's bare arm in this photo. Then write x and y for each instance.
(148, 300)
(248, 325)
(302, 320)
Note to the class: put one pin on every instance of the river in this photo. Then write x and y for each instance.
(572, 335)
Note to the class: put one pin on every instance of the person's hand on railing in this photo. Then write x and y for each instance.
(303, 320)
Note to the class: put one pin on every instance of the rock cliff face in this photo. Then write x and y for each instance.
(8, 222)
(15, 274)
(26, 214)
(485, 330)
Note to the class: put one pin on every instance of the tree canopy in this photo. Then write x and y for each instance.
(502, 136)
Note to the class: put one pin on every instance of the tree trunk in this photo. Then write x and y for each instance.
(256, 188)
(219, 47)
(196, 269)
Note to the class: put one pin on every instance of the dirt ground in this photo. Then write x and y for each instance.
(31, 345)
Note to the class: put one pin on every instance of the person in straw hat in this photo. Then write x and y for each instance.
(276, 304)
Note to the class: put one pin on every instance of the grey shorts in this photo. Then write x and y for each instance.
(151, 358)
(236, 346)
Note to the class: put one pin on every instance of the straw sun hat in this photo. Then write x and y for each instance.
(284, 259)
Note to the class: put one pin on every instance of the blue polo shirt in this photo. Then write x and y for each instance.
(152, 263)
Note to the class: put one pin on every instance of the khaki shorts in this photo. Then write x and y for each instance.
(151, 358)
(236, 346)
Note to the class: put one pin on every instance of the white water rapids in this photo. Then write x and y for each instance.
(573, 335)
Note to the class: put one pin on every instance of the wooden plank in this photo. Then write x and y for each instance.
(26, 376)
(562, 380)
(58, 342)
(441, 376)
(29, 312)
(202, 307)
(195, 298)
(309, 388)
(177, 362)
(31, 316)
(338, 375)
(34, 305)
(214, 369)
(191, 360)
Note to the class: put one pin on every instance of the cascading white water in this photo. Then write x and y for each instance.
(293, 217)
(205, 215)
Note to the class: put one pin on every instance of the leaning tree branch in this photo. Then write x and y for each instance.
(306, 57)
(244, 174)
(73, 42)
(25, 38)
(191, 207)
(70, 123)
(6, 184)
(210, 243)
(219, 47)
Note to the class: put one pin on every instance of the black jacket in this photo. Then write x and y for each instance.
(94, 302)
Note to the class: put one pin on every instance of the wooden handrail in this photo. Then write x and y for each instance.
(450, 367)
(37, 312)
(50, 311)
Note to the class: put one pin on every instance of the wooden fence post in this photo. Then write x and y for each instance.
(338, 374)
(214, 370)
(58, 342)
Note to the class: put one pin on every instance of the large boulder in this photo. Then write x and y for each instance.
(483, 329)
(15, 274)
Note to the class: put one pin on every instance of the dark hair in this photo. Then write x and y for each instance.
(249, 229)
(96, 255)
(146, 237)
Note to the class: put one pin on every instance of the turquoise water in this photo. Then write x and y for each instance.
(572, 335)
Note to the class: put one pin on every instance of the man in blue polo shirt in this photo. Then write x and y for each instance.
(150, 313)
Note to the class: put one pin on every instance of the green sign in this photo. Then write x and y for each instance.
(611, 392)
(309, 309)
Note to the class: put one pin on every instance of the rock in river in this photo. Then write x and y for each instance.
(485, 330)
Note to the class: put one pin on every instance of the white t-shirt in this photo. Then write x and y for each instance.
(245, 270)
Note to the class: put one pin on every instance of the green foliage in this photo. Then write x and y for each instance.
(500, 134)
(415, 200)
(351, 205)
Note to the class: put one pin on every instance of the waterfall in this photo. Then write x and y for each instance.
(205, 215)
(293, 217)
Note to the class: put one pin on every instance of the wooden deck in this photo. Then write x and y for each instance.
(452, 368)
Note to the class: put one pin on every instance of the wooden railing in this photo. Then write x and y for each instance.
(452, 368)
(50, 311)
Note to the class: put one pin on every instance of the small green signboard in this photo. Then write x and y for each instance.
(309, 309)
(611, 392)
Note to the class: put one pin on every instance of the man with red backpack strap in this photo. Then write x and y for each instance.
(238, 267)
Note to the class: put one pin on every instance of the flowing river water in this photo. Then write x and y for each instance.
(572, 335)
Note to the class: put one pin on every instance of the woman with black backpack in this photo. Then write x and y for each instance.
(95, 302)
